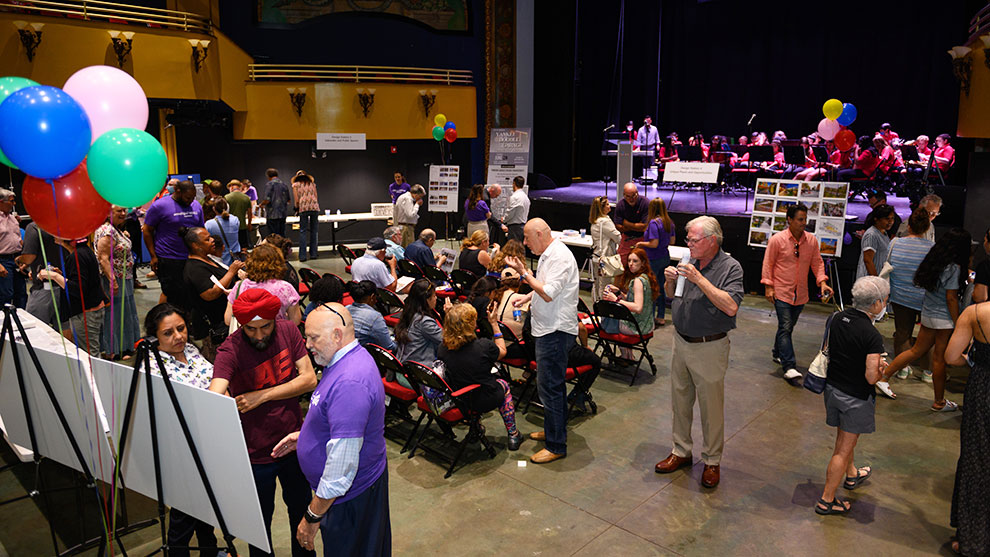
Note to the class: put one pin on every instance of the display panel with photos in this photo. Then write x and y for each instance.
(826, 203)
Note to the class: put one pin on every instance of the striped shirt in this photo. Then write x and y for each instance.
(905, 256)
(879, 243)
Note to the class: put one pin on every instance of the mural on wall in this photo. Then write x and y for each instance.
(445, 15)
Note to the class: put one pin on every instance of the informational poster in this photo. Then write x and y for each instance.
(691, 172)
(508, 155)
(826, 203)
(444, 184)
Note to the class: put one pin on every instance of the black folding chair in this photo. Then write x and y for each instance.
(390, 306)
(462, 280)
(637, 342)
(401, 397)
(410, 269)
(458, 414)
(348, 255)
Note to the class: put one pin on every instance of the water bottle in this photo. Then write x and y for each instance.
(679, 289)
(47, 284)
(517, 315)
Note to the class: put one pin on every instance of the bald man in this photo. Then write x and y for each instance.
(341, 446)
(554, 325)
(421, 253)
(630, 219)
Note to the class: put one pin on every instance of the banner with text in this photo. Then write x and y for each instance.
(508, 157)
(691, 172)
(340, 142)
(442, 193)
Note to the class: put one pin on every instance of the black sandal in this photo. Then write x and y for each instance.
(852, 483)
(831, 507)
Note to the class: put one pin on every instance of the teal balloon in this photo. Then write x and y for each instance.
(438, 133)
(128, 167)
(8, 85)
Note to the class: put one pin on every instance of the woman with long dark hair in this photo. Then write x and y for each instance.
(418, 333)
(943, 275)
(659, 236)
(477, 210)
(481, 298)
(636, 288)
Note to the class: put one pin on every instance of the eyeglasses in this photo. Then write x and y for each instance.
(689, 241)
(342, 322)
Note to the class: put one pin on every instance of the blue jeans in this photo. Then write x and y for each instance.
(551, 367)
(295, 493)
(783, 348)
(657, 266)
(308, 234)
(13, 288)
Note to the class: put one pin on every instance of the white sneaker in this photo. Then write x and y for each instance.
(926, 376)
(885, 389)
(904, 373)
(792, 374)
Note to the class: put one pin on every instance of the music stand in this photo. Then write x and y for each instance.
(909, 153)
(794, 155)
(760, 153)
(689, 153)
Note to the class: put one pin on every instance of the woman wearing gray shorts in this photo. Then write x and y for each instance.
(855, 364)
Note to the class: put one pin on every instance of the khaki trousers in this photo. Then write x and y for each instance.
(407, 235)
(697, 370)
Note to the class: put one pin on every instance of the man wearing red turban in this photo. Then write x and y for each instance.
(265, 367)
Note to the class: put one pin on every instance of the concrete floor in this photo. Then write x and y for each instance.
(605, 498)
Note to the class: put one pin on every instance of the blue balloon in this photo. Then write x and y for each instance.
(44, 131)
(848, 115)
(449, 126)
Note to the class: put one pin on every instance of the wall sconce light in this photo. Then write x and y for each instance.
(30, 36)
(962, 67)
(367, 98)
(121, 44)
(986, 50)
(429, 98)
(199, 52)
(298, 98)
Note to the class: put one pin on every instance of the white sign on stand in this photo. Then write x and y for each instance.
(691, 172)
(508, 155)
(341, 142)
(826, 203)
(443, 191)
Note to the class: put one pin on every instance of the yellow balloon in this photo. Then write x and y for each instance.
(440, 119)
(832, 109)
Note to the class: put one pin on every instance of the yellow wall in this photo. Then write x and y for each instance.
(334, 107)
(161, 61)
(974, 109)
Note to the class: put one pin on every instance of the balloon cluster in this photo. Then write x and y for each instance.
(834, 126)
(444, 129)
(83, 147)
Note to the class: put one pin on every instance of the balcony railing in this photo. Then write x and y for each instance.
(112, 12)
(357, 74)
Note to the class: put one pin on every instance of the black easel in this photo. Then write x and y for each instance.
(7, 333)
(145, 348)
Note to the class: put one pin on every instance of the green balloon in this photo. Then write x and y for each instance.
(438, 133)
(128, 167)
(8, 86)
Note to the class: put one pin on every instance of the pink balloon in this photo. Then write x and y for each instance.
(111, 98)
(828, 128)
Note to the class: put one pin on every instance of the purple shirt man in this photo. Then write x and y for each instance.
(166, 216)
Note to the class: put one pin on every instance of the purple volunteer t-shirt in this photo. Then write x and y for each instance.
(167, 216)
(349, 402)
(252, 193)
(656, 229)
(479, 212)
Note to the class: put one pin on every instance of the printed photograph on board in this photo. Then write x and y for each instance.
(779, 223)
(833, 208)
(787, 189)
(763, 204)
(810, 189)
(764, 187)
(783, 204)
(761, 221)
(759, 237)
(828, 246)
(835, 191)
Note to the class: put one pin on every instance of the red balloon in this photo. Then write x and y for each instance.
(450, 135)
(73, 211)
(845, 140)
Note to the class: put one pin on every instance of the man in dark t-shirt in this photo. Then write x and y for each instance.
(31, 260)
(630, 219)
(265, 367)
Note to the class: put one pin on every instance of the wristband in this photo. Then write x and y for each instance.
(523, 276)
(497, 335)
(312, 517)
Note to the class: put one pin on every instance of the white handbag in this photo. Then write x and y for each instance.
(608, 265)
(814, 381)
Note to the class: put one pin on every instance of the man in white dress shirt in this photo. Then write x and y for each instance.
(518, 210)
(406, 212)
(553, 314)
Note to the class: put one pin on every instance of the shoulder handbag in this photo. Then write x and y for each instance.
(608, 265)
(234, 325)
(239, 256)
(887, 267)
(814, 380)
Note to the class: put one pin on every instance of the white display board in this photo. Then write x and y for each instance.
(382, 209)
(443, 191)
(826, 203)
(216, 431)
(74, 395)
(691, 172)
(508, 155)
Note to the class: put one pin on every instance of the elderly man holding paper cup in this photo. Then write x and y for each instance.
(706, 291)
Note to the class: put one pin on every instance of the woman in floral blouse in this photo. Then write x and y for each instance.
(113, 248)
(184, 364)
(307, 205)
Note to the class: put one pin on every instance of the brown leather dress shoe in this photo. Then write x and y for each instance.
(709, 478)
(545, 456)
(538, 436)
(671, 463)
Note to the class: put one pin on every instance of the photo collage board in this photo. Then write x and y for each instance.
(442, 191)
(826, 203)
